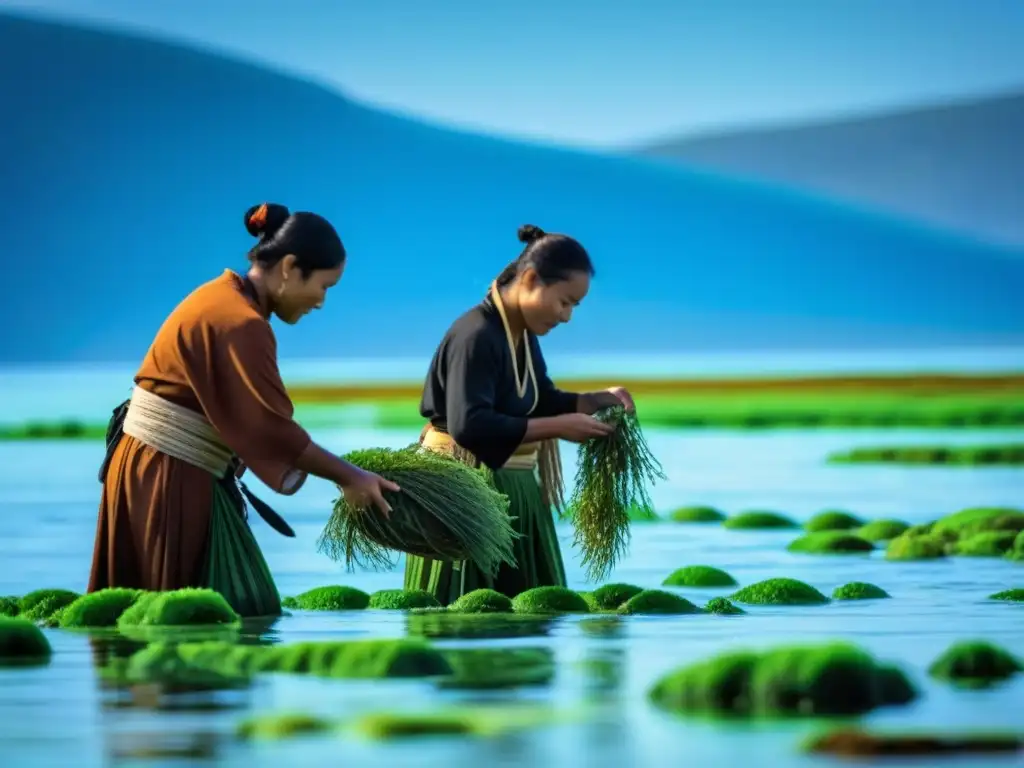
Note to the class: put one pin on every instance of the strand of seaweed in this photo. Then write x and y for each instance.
(612, 480)
(445, 510)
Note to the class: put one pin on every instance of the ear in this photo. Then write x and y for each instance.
(288, 265)
(529, 279)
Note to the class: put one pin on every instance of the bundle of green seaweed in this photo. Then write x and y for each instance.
(446, 510)
(611, 486)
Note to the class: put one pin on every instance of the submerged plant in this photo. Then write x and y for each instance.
(611, 487)
(445, 510)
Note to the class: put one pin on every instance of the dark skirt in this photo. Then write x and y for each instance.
(538, 557)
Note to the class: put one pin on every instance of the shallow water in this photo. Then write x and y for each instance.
(48, 494)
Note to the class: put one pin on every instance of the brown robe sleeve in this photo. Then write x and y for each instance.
(234, 375)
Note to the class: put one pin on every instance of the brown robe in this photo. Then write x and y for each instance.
(217, 355)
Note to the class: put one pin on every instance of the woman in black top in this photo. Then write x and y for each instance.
(489, 400)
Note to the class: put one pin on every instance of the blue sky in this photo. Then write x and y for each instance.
(607, 72)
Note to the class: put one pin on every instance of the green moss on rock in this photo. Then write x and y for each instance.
(653, 602)
(859, 590)
(482, 601)
(723, 607)
(22, 642)
(402, 599)
(330, 598)
(550, 600)
(190, 607)
(833, 520)
(883, 529)
(975, 664)
(98, 609)
(758, 519)
(779, 591)
(283, 726)
(9, 606)
(699, 576)
(698, 514)
(986, 544)
(610, 597)
(831, 543)
(908, 546)
(1013, 595)
(834, 679)
(968, 522)
(44, 604)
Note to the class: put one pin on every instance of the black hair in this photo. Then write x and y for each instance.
(310, 237)
(554, 257)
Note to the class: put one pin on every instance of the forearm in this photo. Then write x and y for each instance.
(317, 461)
(592, 402)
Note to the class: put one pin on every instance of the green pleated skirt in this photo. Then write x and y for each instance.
(538, 556)
(235, 566)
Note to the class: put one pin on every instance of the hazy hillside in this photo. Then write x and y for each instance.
(126, 165)
(958, 165)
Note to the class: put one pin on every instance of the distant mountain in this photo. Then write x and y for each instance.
(126, 166)
(957, 165)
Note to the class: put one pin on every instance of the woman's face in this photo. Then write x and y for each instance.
(546, 306)
(297, 295)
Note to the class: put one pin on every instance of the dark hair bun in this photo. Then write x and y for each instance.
(528, 233)
(265, 219)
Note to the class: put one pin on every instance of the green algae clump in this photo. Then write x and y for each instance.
(859, 590)
(833, 679)
(652, 602)
(283, 726)
(909, 546)
(884, 529)
(22, 642)
(758, 519)
(833, 520)
(9, 606)
(986, 544)
(967, 522)
(478, 722)
(331, 598)
(1017, 553)
(189, 607)
(831, 543)
(698, 514)
(974, 664)
(779, 591)
(482, 601)
(45, 604)
(610, 597)
(722, 607)
(402, 599)
(699, 576)
(549, 600)
(98, 609)
(1013, 595)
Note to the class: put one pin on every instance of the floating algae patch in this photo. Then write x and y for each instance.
(9, 606)
(43, 604)
(779, 591)
(98, 609)
(652, 602)
(722, 607)
(834, 679)
(833, 520)
(445, 624)
(757, 519)
(612, 478)
(445, 510)
(831, 543)
(949, 455)
(699, 576)
(882, 530)
(986, 544)
(1012, 595)
(331, 598)
(482, 601)
(402, 599)
(550, 600)
(495, 668)
(859, 590)
(478, 722)
(975, 664)
(697, 514)
(855, 742)
(610, 597)
(283, 726)
(22, 643)
(908, 546)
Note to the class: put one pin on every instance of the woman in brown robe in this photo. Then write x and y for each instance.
(209, 402)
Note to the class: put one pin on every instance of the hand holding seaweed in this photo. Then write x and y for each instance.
(611, 481)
